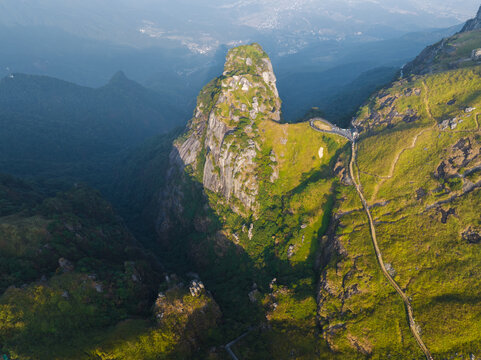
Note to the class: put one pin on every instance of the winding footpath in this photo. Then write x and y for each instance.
(414, 142)
(407, 304)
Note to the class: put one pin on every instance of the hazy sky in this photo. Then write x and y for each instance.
(201, 25)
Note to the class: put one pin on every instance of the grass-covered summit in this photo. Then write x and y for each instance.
(246, 59)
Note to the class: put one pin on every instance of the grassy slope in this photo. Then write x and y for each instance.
(438, 269)
(459, 51)
(306, 187)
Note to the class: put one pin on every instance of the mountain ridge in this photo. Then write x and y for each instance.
(473, 24)
(50, 124)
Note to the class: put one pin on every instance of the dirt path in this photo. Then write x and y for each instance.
(357, 183)
(407, 303)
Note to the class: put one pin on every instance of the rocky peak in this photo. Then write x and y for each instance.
(473, 24)
(222, 141)
(250, 59)
(119, 78)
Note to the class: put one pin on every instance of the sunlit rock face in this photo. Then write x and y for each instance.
(222, 141)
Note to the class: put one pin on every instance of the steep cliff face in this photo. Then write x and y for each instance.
(222, 141)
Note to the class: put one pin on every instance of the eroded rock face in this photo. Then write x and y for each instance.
(384, 112)
(445, 214)
(222, 141)
(466, 153)
(472, 235)
(424, 62)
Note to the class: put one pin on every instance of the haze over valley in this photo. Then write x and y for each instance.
(240, 180)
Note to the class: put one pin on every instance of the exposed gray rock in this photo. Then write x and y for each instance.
(196, 288)
(290, 251)
(236, 238)
(450, 123)
(272, 283)
(476, 55)
(269, 77)
(472, 235)
(251, 232)
(246, 85)
(254, 295)
(390, 269)
(65, 265)
(473, 24)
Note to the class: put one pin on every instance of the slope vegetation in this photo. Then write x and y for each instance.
(418, 162)
(58, 129)
(75, 284)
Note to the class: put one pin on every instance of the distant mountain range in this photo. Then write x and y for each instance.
(202, 25)
(47, 123)
(175, 48)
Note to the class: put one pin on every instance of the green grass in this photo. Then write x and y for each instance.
(297, 149)
(438, 269)
(461, 46)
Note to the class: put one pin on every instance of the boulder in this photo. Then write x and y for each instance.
(472, 235)
(65, 265)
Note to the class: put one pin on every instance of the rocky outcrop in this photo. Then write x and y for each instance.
(384, 112)
(473, 24)
(464, 155)
(220, 146)
(186, 313)
(472, 235)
